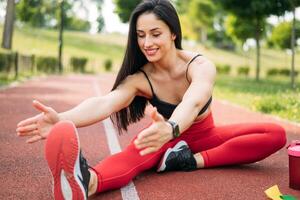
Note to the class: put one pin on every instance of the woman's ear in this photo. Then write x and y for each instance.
(173, 36)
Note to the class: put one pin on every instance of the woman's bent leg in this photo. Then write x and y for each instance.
(119, 169)
(239, 144)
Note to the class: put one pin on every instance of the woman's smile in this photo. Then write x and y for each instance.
(151, 52)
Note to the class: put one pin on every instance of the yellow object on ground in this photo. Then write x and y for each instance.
(273, 193)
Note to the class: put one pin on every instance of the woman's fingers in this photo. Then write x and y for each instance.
(29, 133)
(151, 138)
(41, 107)
(27, 128)
(148, 150)
(148, 144)
(29, 121)
(34, 139)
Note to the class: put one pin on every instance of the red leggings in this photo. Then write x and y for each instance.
(219, 146)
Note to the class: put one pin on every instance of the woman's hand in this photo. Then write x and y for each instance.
(155, 136)
(38, 126)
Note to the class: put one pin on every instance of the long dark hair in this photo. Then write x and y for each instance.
(134, 59)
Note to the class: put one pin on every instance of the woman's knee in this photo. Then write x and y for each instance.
(278, 135)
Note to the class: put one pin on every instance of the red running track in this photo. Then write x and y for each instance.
(24, 173)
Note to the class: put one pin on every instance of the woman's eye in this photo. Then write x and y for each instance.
(156, 35)
(141, 36)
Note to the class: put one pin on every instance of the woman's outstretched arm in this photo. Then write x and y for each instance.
(90, 111)
(202, 75)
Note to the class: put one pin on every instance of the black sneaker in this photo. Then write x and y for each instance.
(68, 167)
(178, 158)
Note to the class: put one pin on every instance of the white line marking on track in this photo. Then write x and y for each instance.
(128, 192)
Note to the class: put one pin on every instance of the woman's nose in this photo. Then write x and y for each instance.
(148, 42)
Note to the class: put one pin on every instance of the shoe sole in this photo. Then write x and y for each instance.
(62, 154)
(162, 164)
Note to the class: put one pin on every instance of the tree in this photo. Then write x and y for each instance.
(281, 35)
(37, 13)
(45, 13)
(293, 3)
(99, 4)
(60, 36)
(182, 6)
(257, 11)
(238, 30)
(100, 18)
(9, 24)
(124, 8)
(202, 13)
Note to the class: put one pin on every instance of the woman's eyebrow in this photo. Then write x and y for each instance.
(154, 29)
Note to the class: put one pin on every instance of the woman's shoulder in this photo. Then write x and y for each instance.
(199, 65)
(138, 81)
(187, 56)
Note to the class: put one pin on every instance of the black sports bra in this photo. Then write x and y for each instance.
(165, 108)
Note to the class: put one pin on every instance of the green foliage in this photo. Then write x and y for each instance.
(255, 13)
(256, 9)
(202, 22)
(186, 27)
(46, 13)
(78, 64)
(124, 8)
(285, 72)
(218, 35)
(239, 30)
(268, 105)
(37, 13)
(273, 72)
(243, 70)
(47, 64)
(252, 13)
(223, 69)
(108, 65)
(273, 96)
(282, 72)
(205, 17)
(101, 23)
(281, 35)
(77, 24)
(6, 61)
(283, 104)
(182, 6)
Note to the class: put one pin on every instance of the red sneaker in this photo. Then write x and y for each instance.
(68, 167)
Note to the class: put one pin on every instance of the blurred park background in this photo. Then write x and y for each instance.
(254, 44)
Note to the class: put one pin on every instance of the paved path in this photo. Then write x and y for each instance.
(24, 173)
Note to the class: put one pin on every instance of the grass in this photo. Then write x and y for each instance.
(97, 48)
(270, 58)
(273, 96)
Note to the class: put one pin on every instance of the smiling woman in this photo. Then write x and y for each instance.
(154, 41)
(182, 135)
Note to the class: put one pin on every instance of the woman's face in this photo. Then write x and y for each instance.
(154, 37)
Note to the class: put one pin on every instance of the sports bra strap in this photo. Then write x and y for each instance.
(187, 69)
(148, 81)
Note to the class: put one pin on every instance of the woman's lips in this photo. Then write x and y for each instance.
(151, 52)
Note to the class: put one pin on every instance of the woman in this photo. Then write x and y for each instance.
(179, 85)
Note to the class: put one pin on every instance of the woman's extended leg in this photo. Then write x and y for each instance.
(238, 144)
(117, 170)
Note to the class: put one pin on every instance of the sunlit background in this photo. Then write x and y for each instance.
(258, 64)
